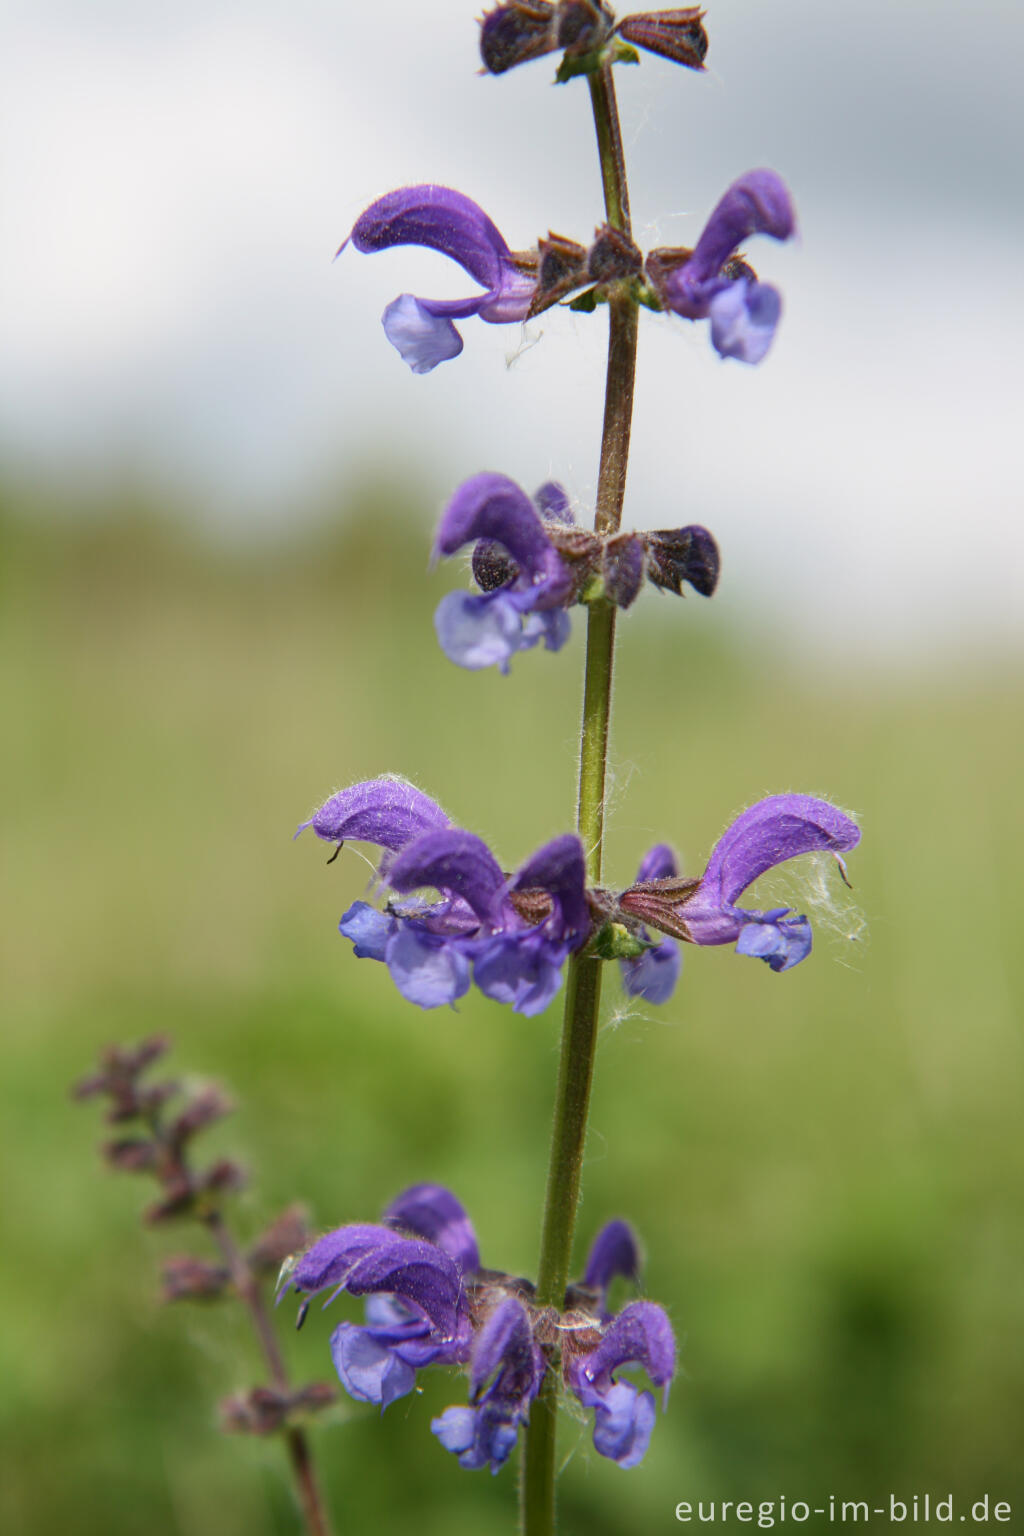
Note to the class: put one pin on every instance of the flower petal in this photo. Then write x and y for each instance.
(613, 1252)
(370, 1370)
(743, 320)
(479, 630)
(389, 812)
(441, 219)
(758, 203)
(368, 929)
(427, 968)
(433, 1212)
(421, 339)
(491, 506)
(641, 1334)
(623, 1421)
(521, 970)
(457, 863)
(654, 974)
(560, 869)
(770, 832)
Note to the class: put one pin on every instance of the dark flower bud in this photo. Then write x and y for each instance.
(515, 33)
(263, 1411)
(178, 1200)
(493, 566)
(612, 257)
(287, 1235)
(683, 554)
(678, 35)
(224, 1177)
(185, 1278)
(582, 25)
(205, 1109)
(132, 1155)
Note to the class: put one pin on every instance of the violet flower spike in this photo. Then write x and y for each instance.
(743, 312)
(446, 221)
(429, 1302)
(526, 602)
(705, 912)
(654, 974)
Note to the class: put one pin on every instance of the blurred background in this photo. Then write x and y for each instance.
(218, 485)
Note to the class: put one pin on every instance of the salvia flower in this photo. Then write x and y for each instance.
(653, 975)
(711, 282)
(429, 1302)
(529, 588)
(513, 933)
(444, 220)
(704, 911)
(532, 562)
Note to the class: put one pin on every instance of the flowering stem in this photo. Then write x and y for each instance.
(583, 985)
(250, 1292)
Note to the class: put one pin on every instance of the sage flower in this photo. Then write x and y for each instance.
(447, 221)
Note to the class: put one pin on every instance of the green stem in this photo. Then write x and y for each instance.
(583, 985)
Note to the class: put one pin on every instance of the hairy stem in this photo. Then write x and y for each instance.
(583, 985)
(250, 1292)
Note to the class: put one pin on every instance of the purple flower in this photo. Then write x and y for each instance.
(528, 597)
(428, 1302)
(704, 911)
(417, 1311)
(624, 1417)
(513, 934)
(445, 221)
(653, 975)
(712, 283)
(506, 1369)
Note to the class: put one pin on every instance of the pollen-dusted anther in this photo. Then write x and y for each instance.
(492, 565)
(678, 35)
(613, 257)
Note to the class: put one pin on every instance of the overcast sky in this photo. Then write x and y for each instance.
(174, 181)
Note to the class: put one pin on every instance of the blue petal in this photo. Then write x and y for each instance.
(426, 969)
(479, 631)
(368, 1369)
(423, 339)
(522, 970)
(623, 1422)
(782, 944)
(743, 320)
(368, 929)
(476, 1436)
(653, 975)
(552, 626)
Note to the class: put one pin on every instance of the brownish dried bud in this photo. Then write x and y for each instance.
(132, 1155)
(660, 903)
(613, 257)
(263, 1411)
(207, 1107)
(678, 35)
(516, 33)
(562, 268)
(185, 1278)
(289, 1234)
(178, 1200)
(224, 1177)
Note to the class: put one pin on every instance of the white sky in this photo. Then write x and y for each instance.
(174, 182)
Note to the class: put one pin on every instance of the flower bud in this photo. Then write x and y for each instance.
(516, 33)
(186, 1278)
(678, 35)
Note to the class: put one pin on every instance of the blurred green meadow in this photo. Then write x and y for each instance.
(825, 1167)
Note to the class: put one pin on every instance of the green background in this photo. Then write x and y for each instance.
(824, 1167)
